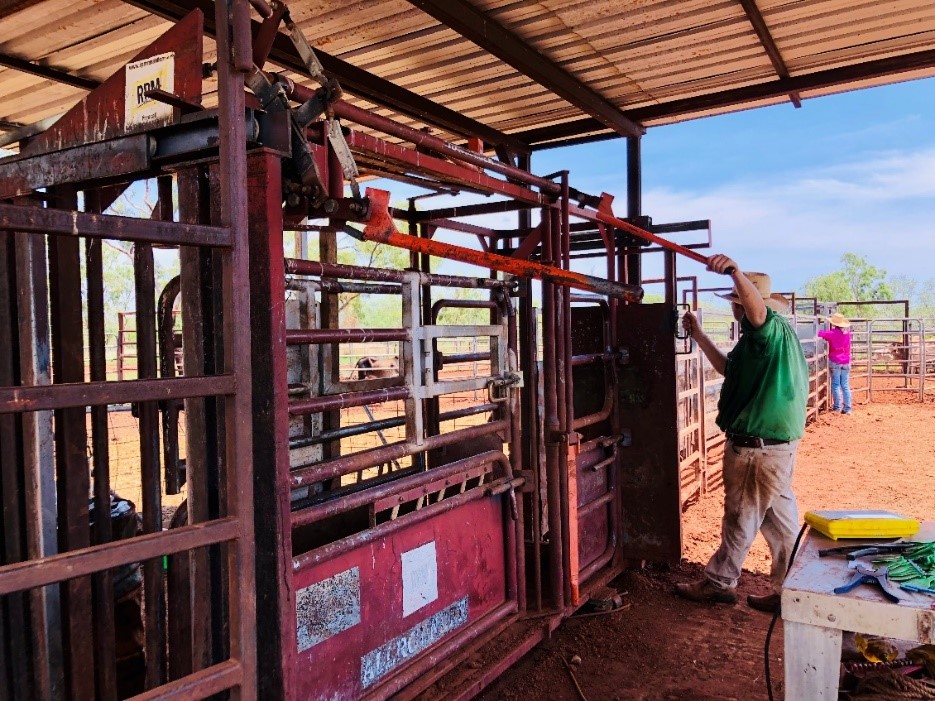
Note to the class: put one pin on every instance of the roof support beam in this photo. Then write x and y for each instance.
(844, 75)
(353, 79)
(766, 39)
(24, 66)
(487, 33)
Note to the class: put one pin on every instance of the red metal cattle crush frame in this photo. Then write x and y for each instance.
(354, 581)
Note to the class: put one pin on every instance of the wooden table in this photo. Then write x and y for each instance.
(814, 616)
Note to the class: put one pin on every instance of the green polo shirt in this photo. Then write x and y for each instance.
(765, 383)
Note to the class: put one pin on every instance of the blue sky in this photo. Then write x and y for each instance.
(788, 191)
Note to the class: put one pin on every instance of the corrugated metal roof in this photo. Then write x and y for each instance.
(649, 58)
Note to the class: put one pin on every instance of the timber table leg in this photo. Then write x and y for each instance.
(812, 662)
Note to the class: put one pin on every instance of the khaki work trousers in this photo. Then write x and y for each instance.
(757, 497)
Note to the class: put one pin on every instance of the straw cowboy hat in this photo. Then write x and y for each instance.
(761, 281)
(839, 320)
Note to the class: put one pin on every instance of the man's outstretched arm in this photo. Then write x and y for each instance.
(754, 307)
(714, 354)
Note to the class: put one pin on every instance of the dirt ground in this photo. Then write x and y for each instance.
(662, 648)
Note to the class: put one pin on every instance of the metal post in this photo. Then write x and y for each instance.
(237, 350)
(102, 581)
(71, 453)
(632, 273)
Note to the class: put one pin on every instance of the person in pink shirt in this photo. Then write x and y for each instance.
(839, 361)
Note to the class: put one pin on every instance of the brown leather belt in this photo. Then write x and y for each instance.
(752, 441)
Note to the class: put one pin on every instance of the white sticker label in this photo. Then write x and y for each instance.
(153, 73)
(420, 578)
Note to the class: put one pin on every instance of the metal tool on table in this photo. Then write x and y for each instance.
(853, 552)
(865, 575)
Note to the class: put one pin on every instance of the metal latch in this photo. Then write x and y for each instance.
(509, 380)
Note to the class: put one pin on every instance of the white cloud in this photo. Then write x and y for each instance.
(797, 225)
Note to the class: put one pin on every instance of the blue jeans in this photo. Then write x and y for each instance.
(840, 383)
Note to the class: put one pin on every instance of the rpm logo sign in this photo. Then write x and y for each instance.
(153, 73)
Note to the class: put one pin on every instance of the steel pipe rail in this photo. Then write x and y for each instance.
(611, 220)
(327, 509)
(454, 358)
(83, 394)
(347, 464)
(338, 547)
(298, 337)
(61, 222)
(297, 266)
(366, 118)
(421, 139)
(383, 424)
(334, 402)
(494, 261)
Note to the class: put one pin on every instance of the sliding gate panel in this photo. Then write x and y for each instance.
(652, 519)
(593, 372)
(368, 613)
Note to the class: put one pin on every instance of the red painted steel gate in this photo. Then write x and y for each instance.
(71, 583)
(375, 499)
(367, 613)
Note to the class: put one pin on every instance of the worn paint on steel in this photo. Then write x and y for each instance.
(379, 662)
(327, 608)
(473, 537)
(382, 229)
(100, 115)
(420, 577)
(649, 409)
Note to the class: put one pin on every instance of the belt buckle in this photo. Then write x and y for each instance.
(759, 442)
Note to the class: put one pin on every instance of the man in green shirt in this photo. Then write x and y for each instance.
(762, 411)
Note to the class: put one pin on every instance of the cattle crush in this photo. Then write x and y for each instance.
(297, 570)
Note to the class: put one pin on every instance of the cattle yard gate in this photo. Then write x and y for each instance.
(363, 572)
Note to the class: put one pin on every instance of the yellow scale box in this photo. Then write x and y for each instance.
(861, 524)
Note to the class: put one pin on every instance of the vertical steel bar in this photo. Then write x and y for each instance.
(71, 456)
(102, 582)
(5, 689)
(13, 516)
(166, 346)
(151, 482)
(38, 460)
(432, 405)
(237, 354)
(561, 389)
(276, 606)
(528, 405)
(551, 424)
(516, 449)
(570, 444)
(670, 278)
(632, 259)
(330, 317)
(120, 348)
(190, 621)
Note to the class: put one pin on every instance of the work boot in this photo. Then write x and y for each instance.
(704, 590)
(768, 603)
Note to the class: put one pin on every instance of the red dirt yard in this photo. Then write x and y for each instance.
(662, 648)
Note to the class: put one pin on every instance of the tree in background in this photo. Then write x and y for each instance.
(858, 280)
(921, 294)
(117, 256)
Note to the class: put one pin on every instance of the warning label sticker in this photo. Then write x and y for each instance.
(153, 73)
(420, 577)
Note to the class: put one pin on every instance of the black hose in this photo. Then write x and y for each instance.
(772, 623)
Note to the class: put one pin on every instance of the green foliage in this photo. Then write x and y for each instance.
(117, 258)
(858, 280)
(920, 293)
